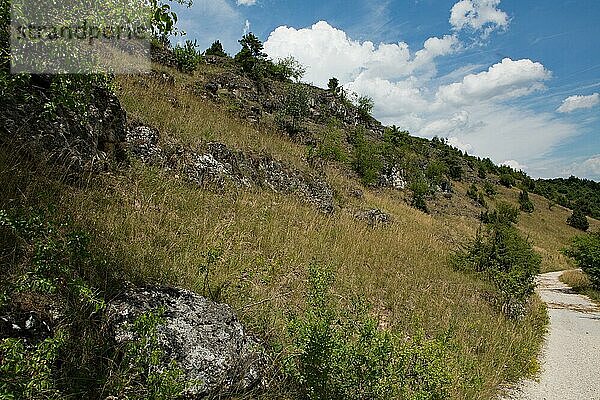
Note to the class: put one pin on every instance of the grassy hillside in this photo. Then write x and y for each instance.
(253, 249)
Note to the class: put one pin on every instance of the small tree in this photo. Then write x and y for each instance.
(186, 56)
(295, 109)
(216, 49)
(419, 189)
(586, 252)
(578, 220)
(334, 86)
(287, 68)
(525, 204)
(365, 106)
(251, 57)
(254, 45)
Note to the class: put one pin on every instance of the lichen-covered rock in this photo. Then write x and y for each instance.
(29, 326)
(142, 141)
(206, 339)
(219, 164)
(81, 138)
(374, 217)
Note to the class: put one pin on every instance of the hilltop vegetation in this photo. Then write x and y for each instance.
(347, 305)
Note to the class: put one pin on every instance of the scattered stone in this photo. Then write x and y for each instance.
(142, 142)
(374, 217)
(357, 193)
(29, 326)
(205, 338)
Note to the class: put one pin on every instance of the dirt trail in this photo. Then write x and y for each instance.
(571, 356)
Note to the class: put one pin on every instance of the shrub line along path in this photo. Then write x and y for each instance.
(570, 359)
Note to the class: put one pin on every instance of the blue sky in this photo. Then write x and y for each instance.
(517, 81)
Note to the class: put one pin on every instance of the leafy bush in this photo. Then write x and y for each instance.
(367, 160)
(475, 195)
(347, 357)
(295, 109)
(187, 56)
(489, 189)
(419, 189)
(330, 145)
(507, 260)
(507, 180)
(578, 220)
(27, 371)
(435, 172)
(334, 86)
(286, 68)
(54, 263)
(585, 250)
(365, 106)
(525, 203)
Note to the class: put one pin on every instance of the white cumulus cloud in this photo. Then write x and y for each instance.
(328, 52)
(478, 15)
(507, 79)
(246, 2)
(573, 103)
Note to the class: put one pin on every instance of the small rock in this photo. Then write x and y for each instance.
(374, 217)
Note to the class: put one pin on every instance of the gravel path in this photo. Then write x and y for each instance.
(571, 356)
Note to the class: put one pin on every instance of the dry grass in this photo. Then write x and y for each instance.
(160, 227)
(180, 114)
(580, 282)
(157, 228)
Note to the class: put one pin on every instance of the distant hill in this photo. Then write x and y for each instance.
(572, 193)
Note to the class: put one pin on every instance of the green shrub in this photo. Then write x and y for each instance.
(28, 372)
(295, 109)
(435, 172)
(365, 106)
(56, 263)
(504, 214)
(367, 160)
(472, 192)
(507, 260)
(330, 146)
(347, 357)
(215, 49)
(507, 180)
(419, 190)
(489, 189)
(525, 203)
(585, 250)
(187, 56)
(286, 68)
(481, 172)
(578, 220)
